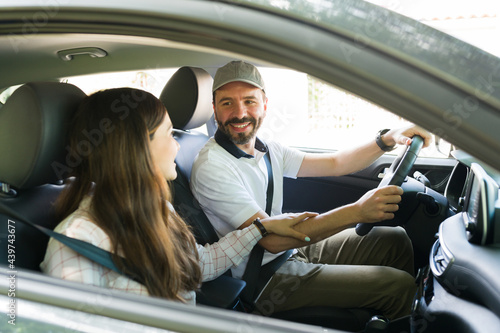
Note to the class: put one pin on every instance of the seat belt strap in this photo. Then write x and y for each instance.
(270, 183)
(256, 276)
(86, 249)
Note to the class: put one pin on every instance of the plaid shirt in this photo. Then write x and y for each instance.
(62, 262)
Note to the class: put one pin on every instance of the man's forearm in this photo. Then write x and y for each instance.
(340, 163)
(317, 228)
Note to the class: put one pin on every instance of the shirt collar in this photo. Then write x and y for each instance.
(232, 149)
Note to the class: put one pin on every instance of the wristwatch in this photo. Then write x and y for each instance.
(381, 143)
(261, 227)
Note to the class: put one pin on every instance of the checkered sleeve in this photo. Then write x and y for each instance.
(229, 251)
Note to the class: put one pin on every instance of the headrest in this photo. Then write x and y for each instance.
(188, 97)
(33, 125)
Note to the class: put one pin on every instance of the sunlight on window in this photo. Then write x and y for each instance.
(307, 113)
(302, 112)
(152, 80)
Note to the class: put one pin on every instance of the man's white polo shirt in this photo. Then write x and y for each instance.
(231, 185)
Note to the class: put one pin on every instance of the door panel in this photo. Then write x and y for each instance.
(324, 193)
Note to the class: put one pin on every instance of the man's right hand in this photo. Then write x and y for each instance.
(378, 204)
(283, 224)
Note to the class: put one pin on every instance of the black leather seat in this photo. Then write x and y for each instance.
(188, 99)
(32, 164)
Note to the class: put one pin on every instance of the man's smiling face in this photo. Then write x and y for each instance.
(239, 110)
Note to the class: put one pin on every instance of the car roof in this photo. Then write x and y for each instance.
(395, 35)
(352, 44)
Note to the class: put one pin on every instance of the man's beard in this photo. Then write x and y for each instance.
(240, 138)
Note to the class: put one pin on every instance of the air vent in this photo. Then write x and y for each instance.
(439, 259)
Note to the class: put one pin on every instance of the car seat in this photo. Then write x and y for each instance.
(32, 165)
(188, 99)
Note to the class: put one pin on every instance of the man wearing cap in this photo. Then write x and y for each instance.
(337, 267)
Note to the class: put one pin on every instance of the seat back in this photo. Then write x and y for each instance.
(33, 125)
(189, 104)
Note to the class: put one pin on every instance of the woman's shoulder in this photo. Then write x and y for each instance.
(80, 225)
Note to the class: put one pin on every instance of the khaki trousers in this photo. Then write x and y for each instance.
(346, 271)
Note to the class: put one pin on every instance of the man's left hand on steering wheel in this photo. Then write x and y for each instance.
(404, 135)
(402, 165)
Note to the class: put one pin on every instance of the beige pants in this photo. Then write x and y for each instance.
(347, 271)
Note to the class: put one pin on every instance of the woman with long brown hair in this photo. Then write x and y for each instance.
(118, 199)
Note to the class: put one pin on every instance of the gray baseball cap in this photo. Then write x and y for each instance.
(238, 71)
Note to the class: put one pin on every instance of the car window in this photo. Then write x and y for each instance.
(151, 80)
(303, 111)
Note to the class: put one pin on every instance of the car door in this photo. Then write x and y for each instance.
(324, 193)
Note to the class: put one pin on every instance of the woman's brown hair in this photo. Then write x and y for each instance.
(109, 140)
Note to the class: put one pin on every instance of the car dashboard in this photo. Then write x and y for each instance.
(473, 191)
(463, 278)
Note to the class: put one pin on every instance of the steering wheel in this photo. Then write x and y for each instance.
(396, 175)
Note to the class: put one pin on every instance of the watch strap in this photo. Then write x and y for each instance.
(261, 227)
(381, 143)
